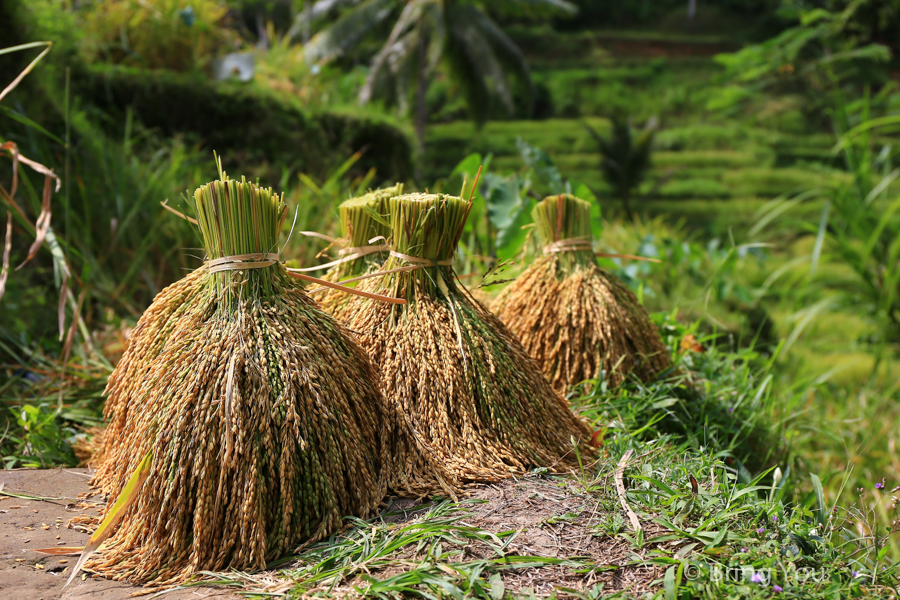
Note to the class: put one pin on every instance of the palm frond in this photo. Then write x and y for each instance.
(488, 68)
(465, 67)
(313, 12)
(348, 30)
(392, 48)
(508, 55)
(433, 15)
(403, 68)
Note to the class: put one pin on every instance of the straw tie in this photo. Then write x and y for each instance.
(579, 244)
(347, 254)
(243, 262)
(236, 262)
(424, 262)
(569, 245)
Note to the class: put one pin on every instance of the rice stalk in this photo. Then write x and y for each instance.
(264, 418)
(576, 319)
(476, 402)
(364, 220)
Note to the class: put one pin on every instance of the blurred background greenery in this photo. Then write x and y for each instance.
(748, 144)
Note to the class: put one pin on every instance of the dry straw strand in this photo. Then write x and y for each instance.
(476, 402)
(576, 319)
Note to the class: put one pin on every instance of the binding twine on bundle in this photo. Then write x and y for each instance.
(346, 254)
(263, 260)
(235, 262)
(569, 245)
(579, 244)
(420, 263)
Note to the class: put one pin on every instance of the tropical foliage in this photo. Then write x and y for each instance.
(625, 157)
(456, 34)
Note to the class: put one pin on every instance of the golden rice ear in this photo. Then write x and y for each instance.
(477, 404)
(577, 320)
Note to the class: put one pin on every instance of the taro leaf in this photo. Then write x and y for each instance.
(542, 165)
(506, 208)
(469, 165)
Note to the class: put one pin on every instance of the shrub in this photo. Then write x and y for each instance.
(251, 125)
(155, 34)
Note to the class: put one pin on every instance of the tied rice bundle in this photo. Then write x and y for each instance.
(366, 228)
(145, 342)
(262, 417)
(476, 402)
(575, 318)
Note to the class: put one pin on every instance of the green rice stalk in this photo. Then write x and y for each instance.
(362, 219)
(264, 418)
(477, 403)
(576, 319)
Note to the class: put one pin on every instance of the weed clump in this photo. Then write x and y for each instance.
(474, 399)
(576, 319)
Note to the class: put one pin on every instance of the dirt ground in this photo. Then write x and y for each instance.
(557, 523)
(27, 524)
(551, 522)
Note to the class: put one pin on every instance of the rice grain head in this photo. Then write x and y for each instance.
(576, 319)
(476, 402)
(145, 342)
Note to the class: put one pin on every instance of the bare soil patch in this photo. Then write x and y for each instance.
(27, 524)
(550, 520)
(554, 521)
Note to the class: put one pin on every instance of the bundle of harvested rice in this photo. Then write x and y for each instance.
(578, 320)
(475, 400)
(262, 417)
(166, 315)
(366, 227)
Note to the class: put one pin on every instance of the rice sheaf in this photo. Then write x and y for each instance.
(578, 320)
(474, 399)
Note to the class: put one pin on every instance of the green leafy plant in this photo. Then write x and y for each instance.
(499, 221)
(826, 50)
(155, 34)
(625, 157)
(475, 51)
(859, 224)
